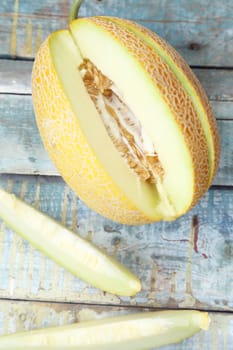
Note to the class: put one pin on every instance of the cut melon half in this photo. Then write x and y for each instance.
(119, 123)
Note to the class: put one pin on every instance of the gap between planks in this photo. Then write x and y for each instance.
(117, 306)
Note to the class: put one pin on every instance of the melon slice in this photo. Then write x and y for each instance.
(69, 250)
(121, 125)
(189, 82)
(142, 331)
(153, 96)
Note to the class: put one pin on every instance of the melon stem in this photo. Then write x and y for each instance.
(74, 10)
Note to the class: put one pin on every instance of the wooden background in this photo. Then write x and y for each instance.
(184, 264)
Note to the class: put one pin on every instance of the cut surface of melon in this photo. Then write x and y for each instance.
(155, 117)
(65, 54)
(142, 331)
(69, 250)
(147, 105)
(77, 121)
(189, 82)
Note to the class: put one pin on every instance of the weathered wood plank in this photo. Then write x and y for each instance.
(16, 79)
(183, 264)
(18, 127)
(225, 171)
(21, 146)
(21, 316)
(217, 83)
(201, 40)
(223, 109)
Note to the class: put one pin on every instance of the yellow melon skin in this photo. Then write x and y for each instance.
(69, 149)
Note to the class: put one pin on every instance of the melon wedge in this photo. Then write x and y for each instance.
(162, 113)
(67, 249)
(142, 331)
(189, 82)
(74, 131)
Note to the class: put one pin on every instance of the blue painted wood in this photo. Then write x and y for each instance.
(201, 39)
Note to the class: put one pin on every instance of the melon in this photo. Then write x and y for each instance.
(145, 330)
(124, 120)
(69, 250)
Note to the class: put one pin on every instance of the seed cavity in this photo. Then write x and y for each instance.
(125, 130)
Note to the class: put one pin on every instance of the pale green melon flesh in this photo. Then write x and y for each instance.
(66, 59)
(144, 99)
(66, 248)
(132, 332)
(185, 83)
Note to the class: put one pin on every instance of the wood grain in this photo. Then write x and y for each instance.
(15, 77)
(23, 151)
(183, 264)
(202, 40)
